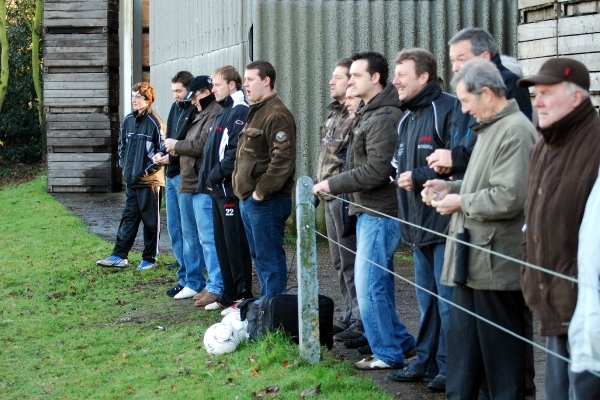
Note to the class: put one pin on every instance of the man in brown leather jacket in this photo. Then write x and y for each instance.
(563, 169)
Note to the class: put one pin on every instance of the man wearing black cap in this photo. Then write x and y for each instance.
(563, 168)
(197, 229)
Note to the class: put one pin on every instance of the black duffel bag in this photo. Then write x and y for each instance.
(280, 311)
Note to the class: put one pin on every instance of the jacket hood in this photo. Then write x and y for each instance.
(424, 98)
(387, 97)
(336, 106)
(559, 132)
(510, 108)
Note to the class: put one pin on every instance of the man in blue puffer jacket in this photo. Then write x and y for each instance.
(140, 138)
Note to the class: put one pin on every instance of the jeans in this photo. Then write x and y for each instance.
(193, 259)
(343, 262)
(205, 228)
(376, 241)
(561, 382)
(264, 222)
(431, 343)
(174, 222)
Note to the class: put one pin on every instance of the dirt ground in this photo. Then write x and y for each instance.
(101, 213)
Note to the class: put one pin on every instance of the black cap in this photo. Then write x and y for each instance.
(557, 70)
(199, 82)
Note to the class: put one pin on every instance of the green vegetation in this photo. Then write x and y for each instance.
(69, 329)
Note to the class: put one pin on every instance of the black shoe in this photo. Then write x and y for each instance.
(410, 353)
(406, 374)
(354, 332)
(172, 266)
(174, 290)
(356, 343)
(338, 328)
(365, 349)
(438, 384)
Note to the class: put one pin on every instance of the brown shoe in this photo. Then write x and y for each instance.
(201, 294)
(206, 300)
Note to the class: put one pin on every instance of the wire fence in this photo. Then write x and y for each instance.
(521, 262)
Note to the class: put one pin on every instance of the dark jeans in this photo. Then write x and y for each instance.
(476, 350)
(264, 222)
(141, 205)
(232, 250)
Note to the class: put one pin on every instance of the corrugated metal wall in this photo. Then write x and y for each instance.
(194, 35)
(304, 39)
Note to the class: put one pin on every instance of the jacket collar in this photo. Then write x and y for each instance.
(509, 109)
(235, 97)
(387, 97)
(337, 107)
(559, 132)
(142, 113)
(424, 98)
(264, 101)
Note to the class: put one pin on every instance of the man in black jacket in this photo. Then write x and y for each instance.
(180, 117)
(424, 128)
(141, 136)
(217, 166)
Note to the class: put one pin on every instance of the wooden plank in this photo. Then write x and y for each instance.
(537, 48)
(79, 181)
(579, 8)
(595, 100)
(146, 77)
(77, 44)
(79, 142)
(537, 30)
(48, 50)
(79, 6)
(75, 85)
(81, 150)
(80, 125)
(532, 66)
(49, 23)
(538, 14)
(57, 37)
(579, 44)
(79, 157)
(85, 13)
(521, 4)
(83, 189)
(79, 102)
(579, 25)
(79, 63)
(91, 77)
(80, 109)
(60, 166)
(76, 173)
(81, 118)
(92, 93)
(145, 49)
(85, 133)
(73, 70)
(145, 13)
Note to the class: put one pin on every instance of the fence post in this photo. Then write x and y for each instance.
(308, 284)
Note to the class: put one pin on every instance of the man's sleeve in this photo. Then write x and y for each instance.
(521, 95)
(122, 145)
(280, 134)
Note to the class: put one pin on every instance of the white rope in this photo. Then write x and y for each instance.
(522, 262)
(455, 305)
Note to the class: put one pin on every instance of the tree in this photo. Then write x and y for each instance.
(3, 53)
(36, 25)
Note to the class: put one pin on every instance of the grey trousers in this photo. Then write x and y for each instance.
(343, 262)
(561, 382)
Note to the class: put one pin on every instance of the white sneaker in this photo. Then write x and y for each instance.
(185, 293)
(371, 363)
(213, 306)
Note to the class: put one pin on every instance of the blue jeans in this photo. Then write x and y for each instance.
(431, 343)
(203, 217)
(192, 269)
(174, 222)
(264, 222)
(376, 241)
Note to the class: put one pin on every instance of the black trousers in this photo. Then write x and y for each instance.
(233, 251)
(476, 350)
(142, 204)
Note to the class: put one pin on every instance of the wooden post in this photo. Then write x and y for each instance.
(308, 284)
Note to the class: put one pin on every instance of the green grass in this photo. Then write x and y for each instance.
(69, 329)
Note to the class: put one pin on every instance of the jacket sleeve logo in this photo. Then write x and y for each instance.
(280, 136)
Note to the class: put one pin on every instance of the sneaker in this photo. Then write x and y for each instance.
(213, 306)
(172, 265)
(371, 363)
(354, 332)
(174, 290)
(113, 261)
(146, 265)
(200, 295)
(231, 308)
(185, 293)
(438, 384)
(407, 374)
(207, 299)
(356, 343)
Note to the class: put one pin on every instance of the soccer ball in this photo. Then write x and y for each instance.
(234, 319)
(221, 338)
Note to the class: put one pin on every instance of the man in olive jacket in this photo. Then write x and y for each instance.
(373, 195)
(564, 167)
(263, 175)
(489, 204)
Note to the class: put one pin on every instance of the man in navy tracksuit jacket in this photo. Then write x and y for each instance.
(231, 243)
